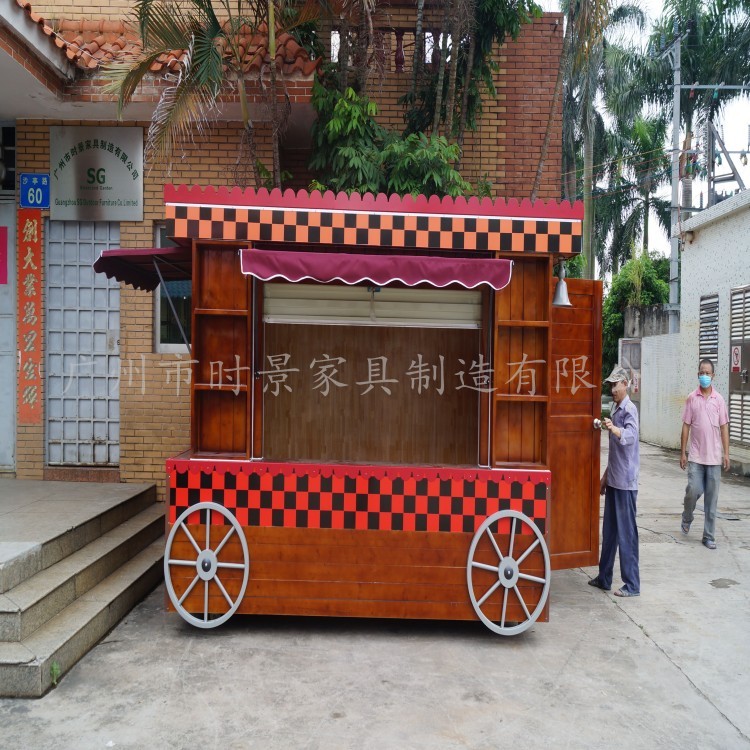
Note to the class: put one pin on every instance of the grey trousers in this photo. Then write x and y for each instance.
(702, 480)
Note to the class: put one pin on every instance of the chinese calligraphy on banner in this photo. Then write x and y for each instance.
(29, 316)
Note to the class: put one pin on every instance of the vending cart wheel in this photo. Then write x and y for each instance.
(207, 564)
(509, 570)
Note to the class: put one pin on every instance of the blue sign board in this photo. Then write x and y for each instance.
(34, 190)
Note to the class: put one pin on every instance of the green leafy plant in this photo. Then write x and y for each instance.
(643, 280)
(421, 164)
(346, 140)
(54, 672)
(266, 177)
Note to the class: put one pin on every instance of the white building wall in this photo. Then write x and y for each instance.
(661, 394)
(715, 260)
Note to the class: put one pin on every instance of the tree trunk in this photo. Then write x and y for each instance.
(452, 73)
(275, 123)
(465, 98)
(343, 55)
(418, 61)
(248, 140)
(588, 202)
(553, 106)
(441, 70)
(646, 212)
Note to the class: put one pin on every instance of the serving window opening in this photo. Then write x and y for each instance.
(368, 374)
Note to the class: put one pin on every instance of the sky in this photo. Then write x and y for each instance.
(734, 122)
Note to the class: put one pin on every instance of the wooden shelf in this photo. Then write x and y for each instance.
(523, 323)
(521, 398)
(242, 388)
(221, 311)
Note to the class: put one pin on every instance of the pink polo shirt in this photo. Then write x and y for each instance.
(705, 417)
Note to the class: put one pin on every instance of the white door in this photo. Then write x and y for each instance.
(83, 331)
(8, 336)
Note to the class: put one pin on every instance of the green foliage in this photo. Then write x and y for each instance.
(347, 140)
(574, 267)
(643, 280)
(54, 672)
(353, 153)
(494, 21)
(421, 164)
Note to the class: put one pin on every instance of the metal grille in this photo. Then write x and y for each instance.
(740, 313)
(708, 336)
(739, 417)
(83, 363)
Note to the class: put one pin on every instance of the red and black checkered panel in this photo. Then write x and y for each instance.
(387, 230)
(391, 502)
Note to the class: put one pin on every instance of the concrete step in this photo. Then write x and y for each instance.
(29, 605)
(69, 516)
(30, 667)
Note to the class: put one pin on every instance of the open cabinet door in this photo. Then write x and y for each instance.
(575, 401)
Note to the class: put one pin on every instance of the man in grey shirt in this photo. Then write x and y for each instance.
(619, 485)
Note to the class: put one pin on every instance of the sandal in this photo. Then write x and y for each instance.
(624, 592)
(685, 528)
(596, 583)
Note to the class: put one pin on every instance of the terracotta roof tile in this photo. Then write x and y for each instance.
(91, 43)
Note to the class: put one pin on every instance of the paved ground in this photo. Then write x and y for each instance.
(669, 669)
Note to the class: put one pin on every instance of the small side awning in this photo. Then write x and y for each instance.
(380, 270)
(136, 267)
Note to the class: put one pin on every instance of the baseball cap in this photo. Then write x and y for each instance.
(617, 375)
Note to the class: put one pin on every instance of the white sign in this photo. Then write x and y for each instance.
(96, 173)
(736, 359)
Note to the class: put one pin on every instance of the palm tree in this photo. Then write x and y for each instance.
(584, 71)
(210, 60)
(638, 167)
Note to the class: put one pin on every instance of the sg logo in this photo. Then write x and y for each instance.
(96, 175)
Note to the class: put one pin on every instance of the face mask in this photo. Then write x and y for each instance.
(704, 380)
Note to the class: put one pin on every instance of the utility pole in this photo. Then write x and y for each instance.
(674, 241)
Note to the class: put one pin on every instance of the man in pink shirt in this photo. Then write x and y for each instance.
(705, 423)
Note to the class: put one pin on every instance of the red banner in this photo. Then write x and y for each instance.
(3, 255)
(29, 245)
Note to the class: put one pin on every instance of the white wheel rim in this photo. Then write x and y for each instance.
(509, 571)
(207, 565)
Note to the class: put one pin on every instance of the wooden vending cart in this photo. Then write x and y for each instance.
(390, 418)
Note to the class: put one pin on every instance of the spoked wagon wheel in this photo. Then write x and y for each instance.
(499, 578)
(206, 565)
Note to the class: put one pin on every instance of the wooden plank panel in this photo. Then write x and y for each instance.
(222, 283)
(222, 421)
(356, 423)
(218, 342)
(573, 443)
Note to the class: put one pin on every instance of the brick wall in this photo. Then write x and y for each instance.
(154, 413)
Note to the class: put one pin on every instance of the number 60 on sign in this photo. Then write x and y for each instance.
(34, 190)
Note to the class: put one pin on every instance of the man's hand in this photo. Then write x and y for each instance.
(726, 462)
(683, 461)
(603, 484)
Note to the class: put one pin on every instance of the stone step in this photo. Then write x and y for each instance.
(29, 605)
(62, 522)
(30, 667)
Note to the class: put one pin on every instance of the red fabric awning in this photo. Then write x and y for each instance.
(136, 267)
(380, 270)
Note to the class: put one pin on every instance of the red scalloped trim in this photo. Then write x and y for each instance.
(209, 466)
(301, 199)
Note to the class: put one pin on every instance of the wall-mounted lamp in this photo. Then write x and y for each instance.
(560, 298)
(689, 236)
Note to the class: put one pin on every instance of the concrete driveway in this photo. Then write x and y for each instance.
(669, 669)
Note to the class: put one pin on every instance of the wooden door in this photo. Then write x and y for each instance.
(573, 444)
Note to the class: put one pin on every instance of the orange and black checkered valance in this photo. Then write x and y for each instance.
(373, 221)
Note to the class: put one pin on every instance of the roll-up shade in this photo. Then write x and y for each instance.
(381, 270)
(136, 267)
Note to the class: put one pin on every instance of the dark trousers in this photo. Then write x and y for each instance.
(620, 532)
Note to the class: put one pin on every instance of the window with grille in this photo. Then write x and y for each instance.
(739, 387)
(708, 336)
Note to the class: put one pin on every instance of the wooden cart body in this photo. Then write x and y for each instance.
(371, 526)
